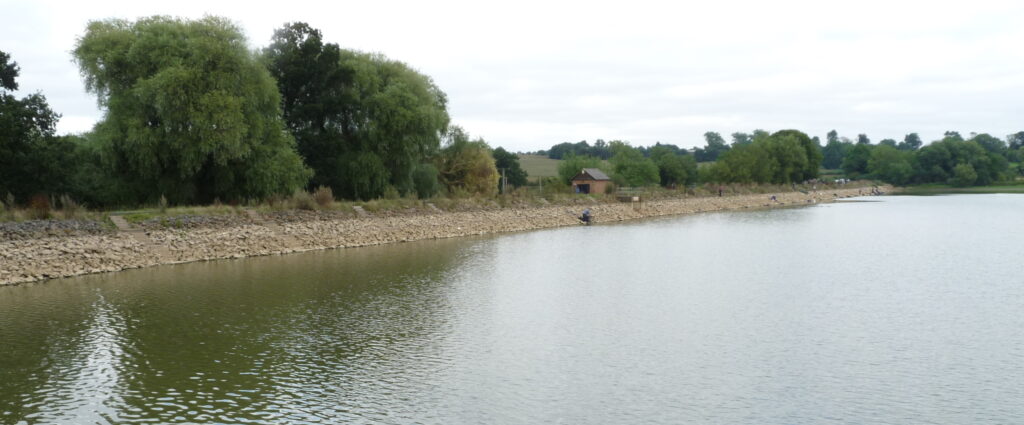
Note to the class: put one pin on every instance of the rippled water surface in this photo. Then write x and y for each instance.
(907, 310)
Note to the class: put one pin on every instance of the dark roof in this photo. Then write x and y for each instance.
(591, 174)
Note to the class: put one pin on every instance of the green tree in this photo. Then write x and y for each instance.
(509, 162)
(714, 147)
(862, 139)
(783, 157)
(990, 143)
(741, 139)
(317, 103)
(831, 137)
(674, 168)
(32, 159)
(910, 142)
(467, 165)
(190, 112)
(424, 178)
(400, 114)
(834, 152)
(571, 165)
(855, 163)
(964, 175)
(630, 168)
(1015, 140)
(891, 165)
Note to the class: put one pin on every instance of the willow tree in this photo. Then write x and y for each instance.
(189, 111)
(359, 119)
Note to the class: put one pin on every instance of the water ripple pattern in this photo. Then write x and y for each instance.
(900, 311)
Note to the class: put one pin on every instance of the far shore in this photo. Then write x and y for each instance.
(71, 252)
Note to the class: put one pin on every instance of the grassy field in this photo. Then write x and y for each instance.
(943, 189)
(539, 166)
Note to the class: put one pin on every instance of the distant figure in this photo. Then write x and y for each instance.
(719, 191)
(585, 218)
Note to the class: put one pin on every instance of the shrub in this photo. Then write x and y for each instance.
(391, 193)
(323, 196)
(69, 207)
(424, 180)
(302, 200)
(39, 207)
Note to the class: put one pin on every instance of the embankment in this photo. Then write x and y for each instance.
(73, 250)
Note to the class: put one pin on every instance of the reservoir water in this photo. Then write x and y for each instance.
(894, 311)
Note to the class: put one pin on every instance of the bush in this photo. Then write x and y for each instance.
(39, 207)
(323, 196)
(391, 193)
(964, 175)
(302, 200)
(69, 207)
(424, 180)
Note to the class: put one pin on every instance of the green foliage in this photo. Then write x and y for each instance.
(855, 163)
(400, 114)
(891, 165)
(340, 104)
(600, 149)
(964, 175)
(990, 144)
(630, 168)
(32, 159)
(363, 175)
(316, 97)
(467, 165)
(784, 157)
(189, 111)
(714, 148)
(834, 152)
(573, 165)
(509, 162)
(424, 180)
(910, 142)
(673, 168)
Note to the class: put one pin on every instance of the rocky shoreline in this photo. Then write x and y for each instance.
(37, 251)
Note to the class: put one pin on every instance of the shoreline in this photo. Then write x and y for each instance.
(52, 257)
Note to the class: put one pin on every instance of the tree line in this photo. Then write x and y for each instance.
(192, 115)
(791, 156)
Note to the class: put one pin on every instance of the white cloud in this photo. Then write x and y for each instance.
(526, 75)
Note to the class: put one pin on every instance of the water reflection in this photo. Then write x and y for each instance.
(869, 312)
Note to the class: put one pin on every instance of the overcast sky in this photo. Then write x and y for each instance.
(526, 75)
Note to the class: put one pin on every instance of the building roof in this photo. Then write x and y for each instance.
(591, 174)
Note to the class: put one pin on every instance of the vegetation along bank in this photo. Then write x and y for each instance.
(39, 250)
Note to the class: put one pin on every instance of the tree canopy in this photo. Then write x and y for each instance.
(359, 119)
(32, 160)
(190, 113)
(786, 156)
(467, 165)
(508, 163)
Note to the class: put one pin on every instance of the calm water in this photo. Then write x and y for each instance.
(907, 310)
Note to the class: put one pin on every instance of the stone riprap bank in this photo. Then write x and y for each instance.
(63, 249)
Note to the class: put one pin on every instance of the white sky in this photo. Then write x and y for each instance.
(529, 74)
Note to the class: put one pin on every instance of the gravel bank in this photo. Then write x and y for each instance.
(34, 251)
